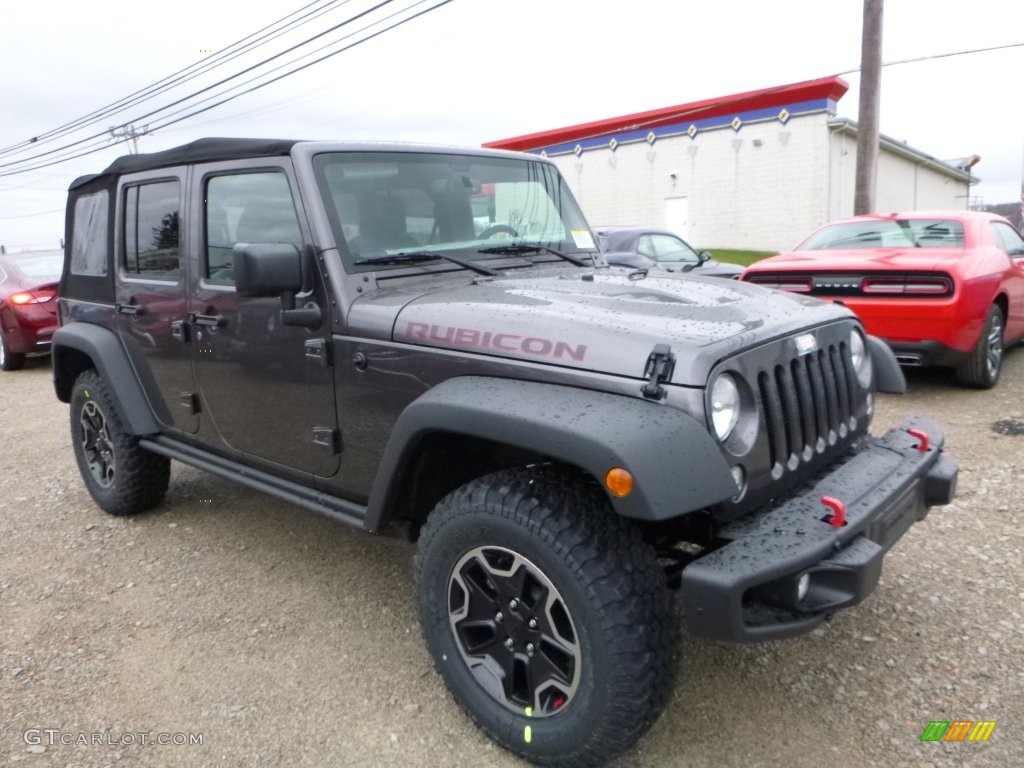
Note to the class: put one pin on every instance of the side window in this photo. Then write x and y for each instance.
(668, 248)
(151, 239)
(645, 247)
(1008, 239)
(89, 238)
(246, 208)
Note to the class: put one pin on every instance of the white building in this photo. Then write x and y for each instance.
(756, 170)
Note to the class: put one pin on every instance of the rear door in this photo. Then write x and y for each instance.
(267, 388)
(151, 307)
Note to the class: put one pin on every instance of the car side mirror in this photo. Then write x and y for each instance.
(267, 269)
(274, 269)
(703, 256)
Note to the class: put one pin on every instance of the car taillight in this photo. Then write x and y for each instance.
(908, 286)
(32, 297)
(791, 284)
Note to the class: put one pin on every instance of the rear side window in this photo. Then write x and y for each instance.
(246, 208)
(89, 238)
(1008, 239)
(151, 237)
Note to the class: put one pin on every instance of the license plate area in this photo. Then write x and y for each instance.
(894, 523)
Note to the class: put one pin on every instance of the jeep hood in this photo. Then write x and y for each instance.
(602, 322)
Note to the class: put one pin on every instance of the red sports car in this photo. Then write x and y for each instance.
(28, 306)
(943, 288)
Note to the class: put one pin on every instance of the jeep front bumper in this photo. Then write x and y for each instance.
(784, 571)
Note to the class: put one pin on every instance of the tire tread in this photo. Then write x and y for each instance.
(141, 477)
(619, 573)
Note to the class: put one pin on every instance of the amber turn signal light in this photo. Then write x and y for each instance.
(619, 482)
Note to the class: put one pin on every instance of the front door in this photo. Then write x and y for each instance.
(266, 387)
(151, 304)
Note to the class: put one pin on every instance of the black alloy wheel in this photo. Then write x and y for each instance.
(514, 631)
(546, 614)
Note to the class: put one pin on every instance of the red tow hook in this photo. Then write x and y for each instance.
(921, 435)
(838, 516)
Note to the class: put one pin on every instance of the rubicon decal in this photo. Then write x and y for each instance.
(958, 730)
(514, 343)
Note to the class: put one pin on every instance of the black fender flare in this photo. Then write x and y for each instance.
(676, 465)
(888, 375)
(104, 349)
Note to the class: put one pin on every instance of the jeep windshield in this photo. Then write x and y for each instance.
(485, 208)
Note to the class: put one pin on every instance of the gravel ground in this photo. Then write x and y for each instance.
(287, 640)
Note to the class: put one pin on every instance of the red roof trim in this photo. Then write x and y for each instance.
(827, 87)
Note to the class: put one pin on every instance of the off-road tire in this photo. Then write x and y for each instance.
(9, 361)
(122, 477)
(981, 368)
(612, 588)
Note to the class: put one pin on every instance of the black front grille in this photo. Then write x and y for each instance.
(808, 405)
(810, 411)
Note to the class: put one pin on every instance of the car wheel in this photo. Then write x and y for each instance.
(982, 366)
(9, 361)
(122, 476)
(546, 614)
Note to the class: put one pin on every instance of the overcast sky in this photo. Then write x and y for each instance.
(478, 70)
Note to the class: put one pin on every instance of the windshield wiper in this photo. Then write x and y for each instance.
(406, 257)
(524, 248)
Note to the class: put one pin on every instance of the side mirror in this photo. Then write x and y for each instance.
(267, 269)
(275, 269)
(703, 256)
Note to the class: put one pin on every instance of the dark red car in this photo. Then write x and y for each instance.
(28, 306)
(943, 288)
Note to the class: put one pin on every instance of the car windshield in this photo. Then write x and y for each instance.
(44, 266)
(887, 233)
(385, 204)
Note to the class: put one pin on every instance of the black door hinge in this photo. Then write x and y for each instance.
(658, 370)
(327, 437)
(180, 331)
(317, 349)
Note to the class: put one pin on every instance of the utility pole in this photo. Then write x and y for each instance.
(867, 117)
(129, 132)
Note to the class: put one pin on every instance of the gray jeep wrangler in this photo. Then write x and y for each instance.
(426, 341)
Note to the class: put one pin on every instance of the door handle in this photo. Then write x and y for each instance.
(131, 309)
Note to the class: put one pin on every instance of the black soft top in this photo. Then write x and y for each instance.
(201, 150)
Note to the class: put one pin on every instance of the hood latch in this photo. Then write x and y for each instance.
(658, 370)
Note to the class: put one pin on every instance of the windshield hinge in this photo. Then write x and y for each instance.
(660, 365)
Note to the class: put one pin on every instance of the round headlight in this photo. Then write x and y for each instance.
(861, 358)
(725, 405)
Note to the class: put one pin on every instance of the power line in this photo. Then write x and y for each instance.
(940, 56)
(29, 215)
(289, 63)
(69, 153)
(180, 77)
(248, 69)
(690, 112)
(258, 86)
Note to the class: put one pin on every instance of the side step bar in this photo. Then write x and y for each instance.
(324, 504)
